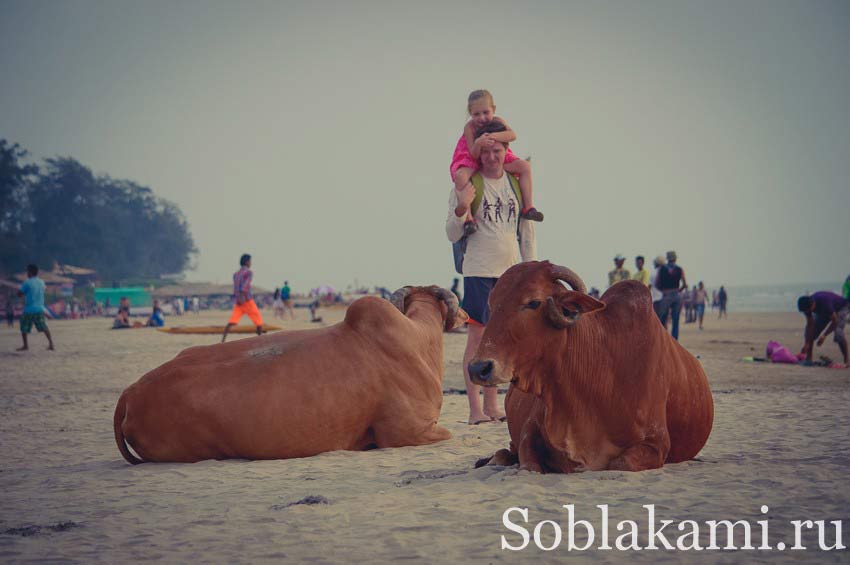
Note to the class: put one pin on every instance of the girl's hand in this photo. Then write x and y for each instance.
(484, 141)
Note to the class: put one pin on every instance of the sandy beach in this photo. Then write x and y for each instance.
(780, 439)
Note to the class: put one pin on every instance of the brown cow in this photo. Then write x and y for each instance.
(611, 390)
(372, 380)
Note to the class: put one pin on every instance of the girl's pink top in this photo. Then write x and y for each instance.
(463, 158)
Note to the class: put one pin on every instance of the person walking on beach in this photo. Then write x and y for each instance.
(641, 275)
(657, 263)
(286, 299)
(33, 292)
(456, 290)
(490, 251)
(700, 299)
(671, 281)
(845, 292)
(825, 313)
(243, 301)
(619, 273)
(466, 157)
(722, 297)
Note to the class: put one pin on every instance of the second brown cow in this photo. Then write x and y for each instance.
(373, 380)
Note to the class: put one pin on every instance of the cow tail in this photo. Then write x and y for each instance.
(118, 420)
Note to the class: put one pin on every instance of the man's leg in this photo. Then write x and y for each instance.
(675, 310)
(26, 327)
(663, 309)
(842, 345)
(473, 338)
(226, 329)
(49, 340)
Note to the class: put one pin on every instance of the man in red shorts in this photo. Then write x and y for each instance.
(244, 304)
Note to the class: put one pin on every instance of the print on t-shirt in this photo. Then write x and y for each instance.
(496, 209)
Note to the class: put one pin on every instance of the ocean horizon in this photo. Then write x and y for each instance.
(772, 297)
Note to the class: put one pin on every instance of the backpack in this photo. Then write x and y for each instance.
(459, 246)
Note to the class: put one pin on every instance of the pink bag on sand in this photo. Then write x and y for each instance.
(778, 353)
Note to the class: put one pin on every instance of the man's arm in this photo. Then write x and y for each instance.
(527, 241)
(457, 212)
(829, 329)
(808, 338)
(683, 283)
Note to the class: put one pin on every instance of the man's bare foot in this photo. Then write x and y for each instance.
(498, 417)
(24, 348)
(51, 348)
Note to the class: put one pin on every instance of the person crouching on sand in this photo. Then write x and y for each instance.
(825, 312)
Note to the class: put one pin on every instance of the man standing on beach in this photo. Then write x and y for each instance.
(653, 291)
(722, 297)
(33, 315)
(671, 281)
(825, 312)
(641, 275)
(619, 273)
(243, 302)
(499, 243)
(286, 299)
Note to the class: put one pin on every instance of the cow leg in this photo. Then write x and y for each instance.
(398, 434)
(647, 455)
(531, 447)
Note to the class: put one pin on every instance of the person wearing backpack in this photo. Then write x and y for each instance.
(502, 240)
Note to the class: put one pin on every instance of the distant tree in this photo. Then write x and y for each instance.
(117, 227)
(14, 205)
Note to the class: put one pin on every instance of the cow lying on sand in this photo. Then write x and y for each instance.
(373, 380)
(594, 384)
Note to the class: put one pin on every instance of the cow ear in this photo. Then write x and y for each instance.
(580, 303)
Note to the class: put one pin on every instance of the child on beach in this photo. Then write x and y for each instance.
(481, 110)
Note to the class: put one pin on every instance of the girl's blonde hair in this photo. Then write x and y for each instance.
(477, 95)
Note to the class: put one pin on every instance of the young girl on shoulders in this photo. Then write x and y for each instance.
(482, 110)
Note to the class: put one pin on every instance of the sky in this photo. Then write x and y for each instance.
(317, 135)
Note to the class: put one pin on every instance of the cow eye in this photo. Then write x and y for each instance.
(533, 305)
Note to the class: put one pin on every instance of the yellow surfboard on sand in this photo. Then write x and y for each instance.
(217, 329)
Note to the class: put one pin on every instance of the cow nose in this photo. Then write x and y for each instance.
(482, 370)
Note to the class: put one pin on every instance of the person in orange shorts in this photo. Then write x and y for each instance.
(244, 304)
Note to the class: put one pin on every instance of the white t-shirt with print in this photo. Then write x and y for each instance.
(493, 249)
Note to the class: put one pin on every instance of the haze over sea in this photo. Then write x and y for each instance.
(773, 297)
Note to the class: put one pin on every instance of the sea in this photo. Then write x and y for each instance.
(772, 297)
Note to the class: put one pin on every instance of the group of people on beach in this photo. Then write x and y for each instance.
(669, 289)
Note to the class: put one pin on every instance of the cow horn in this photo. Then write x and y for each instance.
(564, 274)
(555, 315)
(452, 305)
(398, 297)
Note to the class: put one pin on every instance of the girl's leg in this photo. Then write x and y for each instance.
(522, 169)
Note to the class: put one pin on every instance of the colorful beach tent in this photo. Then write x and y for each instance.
(137, 295)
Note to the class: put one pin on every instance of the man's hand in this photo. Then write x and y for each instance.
(465, 196)
(821, 339)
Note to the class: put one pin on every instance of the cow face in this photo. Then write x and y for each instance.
(531, 313)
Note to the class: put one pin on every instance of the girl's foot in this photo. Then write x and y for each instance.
(532, 214)
(470, 227)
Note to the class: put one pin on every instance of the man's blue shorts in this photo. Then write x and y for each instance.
(476, 291)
